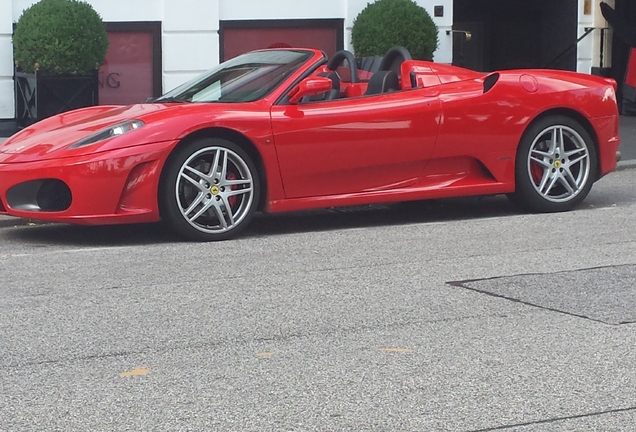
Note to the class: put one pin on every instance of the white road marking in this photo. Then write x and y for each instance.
(68, 251)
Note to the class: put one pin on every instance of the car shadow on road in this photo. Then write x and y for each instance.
(276, 224)
(443, 210)
(450, 209)
(76, 235)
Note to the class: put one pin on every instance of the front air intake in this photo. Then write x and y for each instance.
(45, 195)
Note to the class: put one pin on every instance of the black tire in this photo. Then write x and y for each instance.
(554, 176)
(202, 203)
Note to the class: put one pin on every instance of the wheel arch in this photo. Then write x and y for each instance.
(237, 138)
(576, 116)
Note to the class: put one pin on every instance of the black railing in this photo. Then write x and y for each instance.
(39, 96)
(557, 59)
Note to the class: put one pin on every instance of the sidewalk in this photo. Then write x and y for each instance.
(627, 133)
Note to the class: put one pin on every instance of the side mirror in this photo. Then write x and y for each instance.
(309, 87)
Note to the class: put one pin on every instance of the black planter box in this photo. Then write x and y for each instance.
(39, 96)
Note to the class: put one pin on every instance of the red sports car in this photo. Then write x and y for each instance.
(285, 129)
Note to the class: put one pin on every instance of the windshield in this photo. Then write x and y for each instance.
(245, 78)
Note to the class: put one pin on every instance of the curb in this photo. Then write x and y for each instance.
(10, 221)
(625, 165)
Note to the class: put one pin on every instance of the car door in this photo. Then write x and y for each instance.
(368, 143)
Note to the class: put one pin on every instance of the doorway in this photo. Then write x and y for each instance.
(621, 53)
(132, 70)
(238, 37)
(511, 34)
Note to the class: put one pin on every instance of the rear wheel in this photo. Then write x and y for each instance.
(210, 190)
(555, 165)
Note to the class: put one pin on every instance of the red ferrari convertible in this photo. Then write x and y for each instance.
(285, 129)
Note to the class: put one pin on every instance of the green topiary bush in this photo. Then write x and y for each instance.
(387, 23)
(61, 37)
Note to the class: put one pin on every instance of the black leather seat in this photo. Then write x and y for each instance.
(394, 58)
(370, 64)
(387, 78)
(383, 82)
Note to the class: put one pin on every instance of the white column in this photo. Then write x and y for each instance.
(190, 39)
(589, 49)
(7, 102)
(444, 52)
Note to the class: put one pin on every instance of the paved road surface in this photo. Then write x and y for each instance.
(456, 315)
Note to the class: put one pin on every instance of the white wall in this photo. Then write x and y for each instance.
(590, 44)
(588, 52)
(281, 9)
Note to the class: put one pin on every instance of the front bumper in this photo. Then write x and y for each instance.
(608, 143)
(117, 186)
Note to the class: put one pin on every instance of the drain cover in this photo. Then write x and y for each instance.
(605, 294)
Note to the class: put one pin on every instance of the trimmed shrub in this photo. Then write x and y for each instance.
(60, 37)
(387, 23)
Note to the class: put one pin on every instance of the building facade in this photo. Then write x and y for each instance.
(158, 44)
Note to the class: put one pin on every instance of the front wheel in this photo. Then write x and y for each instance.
(209, 190)
(555, 165)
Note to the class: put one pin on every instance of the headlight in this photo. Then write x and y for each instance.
(111, 131)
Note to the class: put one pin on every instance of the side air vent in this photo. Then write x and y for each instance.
(490, 81)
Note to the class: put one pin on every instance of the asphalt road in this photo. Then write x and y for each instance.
(453, 315)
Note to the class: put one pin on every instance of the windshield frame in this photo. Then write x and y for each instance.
(224, 83)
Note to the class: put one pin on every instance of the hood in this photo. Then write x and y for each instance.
(64, 129)
(51, 137)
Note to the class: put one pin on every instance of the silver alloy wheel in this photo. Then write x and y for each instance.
(559, 163)
(215, 190)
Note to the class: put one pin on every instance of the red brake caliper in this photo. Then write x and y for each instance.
(536, 172)
(232, 199)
